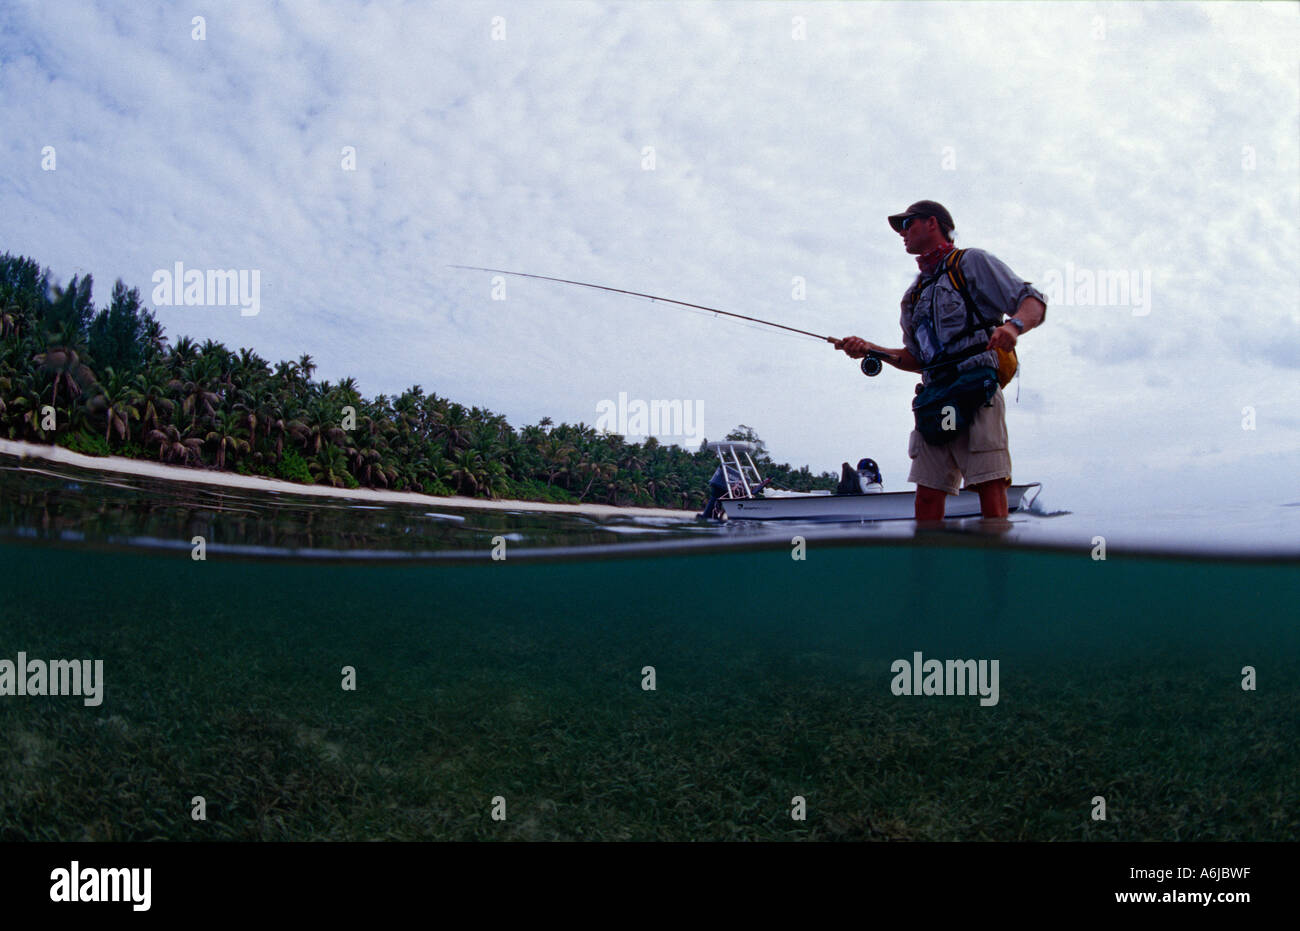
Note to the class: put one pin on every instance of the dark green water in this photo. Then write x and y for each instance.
(523, 680)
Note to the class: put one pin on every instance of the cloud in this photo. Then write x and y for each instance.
(1162, 139)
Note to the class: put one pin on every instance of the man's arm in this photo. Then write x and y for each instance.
(995, 287)
(857, 348)
(1031, 313)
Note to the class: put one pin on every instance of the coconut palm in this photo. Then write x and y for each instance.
(329, 467)
(64, 363)
(248, 373)
(369, 468)
(116, 399)
(317, 426)
(433, 469)
(229, 432)
(597, 466)
(174, 441)
(22, 407)
(154, 405)
(456, 427)
(154, 339)
(469, 471)
(184, 352)
(286, 376)
(10, 314)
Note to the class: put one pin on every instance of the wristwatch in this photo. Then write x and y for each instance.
(1017, 323)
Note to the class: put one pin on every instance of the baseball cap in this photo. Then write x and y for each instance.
(923, 208)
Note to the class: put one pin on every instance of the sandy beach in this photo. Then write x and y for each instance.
(174, 473)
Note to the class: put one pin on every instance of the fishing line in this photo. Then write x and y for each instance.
(651, 297)
(871, 364)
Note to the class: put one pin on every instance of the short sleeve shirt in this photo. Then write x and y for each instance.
(933, 324)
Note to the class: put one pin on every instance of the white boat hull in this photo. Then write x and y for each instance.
(894, 505)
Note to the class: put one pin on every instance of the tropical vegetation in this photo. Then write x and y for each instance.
(108, 381)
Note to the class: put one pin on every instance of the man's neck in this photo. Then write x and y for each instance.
(929, 261)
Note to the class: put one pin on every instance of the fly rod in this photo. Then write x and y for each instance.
(666, 300)
(870, 363)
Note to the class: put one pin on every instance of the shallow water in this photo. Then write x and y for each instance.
(524, 679)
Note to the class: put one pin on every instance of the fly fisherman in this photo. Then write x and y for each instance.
(954, 335)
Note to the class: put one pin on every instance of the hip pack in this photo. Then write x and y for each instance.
(944, 408)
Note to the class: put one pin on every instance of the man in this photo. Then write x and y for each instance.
(865, 480)
(935, 327)
(724, 478)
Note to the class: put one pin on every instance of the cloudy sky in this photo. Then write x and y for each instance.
(720, 154)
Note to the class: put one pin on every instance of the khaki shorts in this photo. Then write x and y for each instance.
(980, 454)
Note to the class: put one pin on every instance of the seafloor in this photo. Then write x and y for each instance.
(1119, 679)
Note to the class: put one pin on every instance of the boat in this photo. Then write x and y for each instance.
(748, 499)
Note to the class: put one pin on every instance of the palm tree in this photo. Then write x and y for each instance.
(455, 427)
(22, 407)
(432, 469)
(329, 467)
(196, 394)
(598, 466)
(370, 469)
(229, 432)
(184, 352)
(249, 371)
(174, 442)
(154, 339)
(469, 472)
(557, 456)
(118, 401)
(286, 375)
(64, 363)
(268, 415)
(155, 406)
(493, 478)
(316, 427)
(10, 314)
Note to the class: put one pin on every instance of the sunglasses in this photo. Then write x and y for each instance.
(910, 220)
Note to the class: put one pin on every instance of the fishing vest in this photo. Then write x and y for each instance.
(946, 322)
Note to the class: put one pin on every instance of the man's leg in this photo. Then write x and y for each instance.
(986, 460)
(935, 474)
(993, 497)
(930, 502)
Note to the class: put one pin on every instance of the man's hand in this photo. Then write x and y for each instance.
(857, 348)
(1004, 337)
(1031, 313)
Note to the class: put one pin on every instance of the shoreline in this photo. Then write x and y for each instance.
(147, 469)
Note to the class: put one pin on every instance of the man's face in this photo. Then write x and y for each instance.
(921, 235)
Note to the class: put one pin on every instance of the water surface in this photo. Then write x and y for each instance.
(522, 679)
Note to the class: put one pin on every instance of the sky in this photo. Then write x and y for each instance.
(741, 156)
